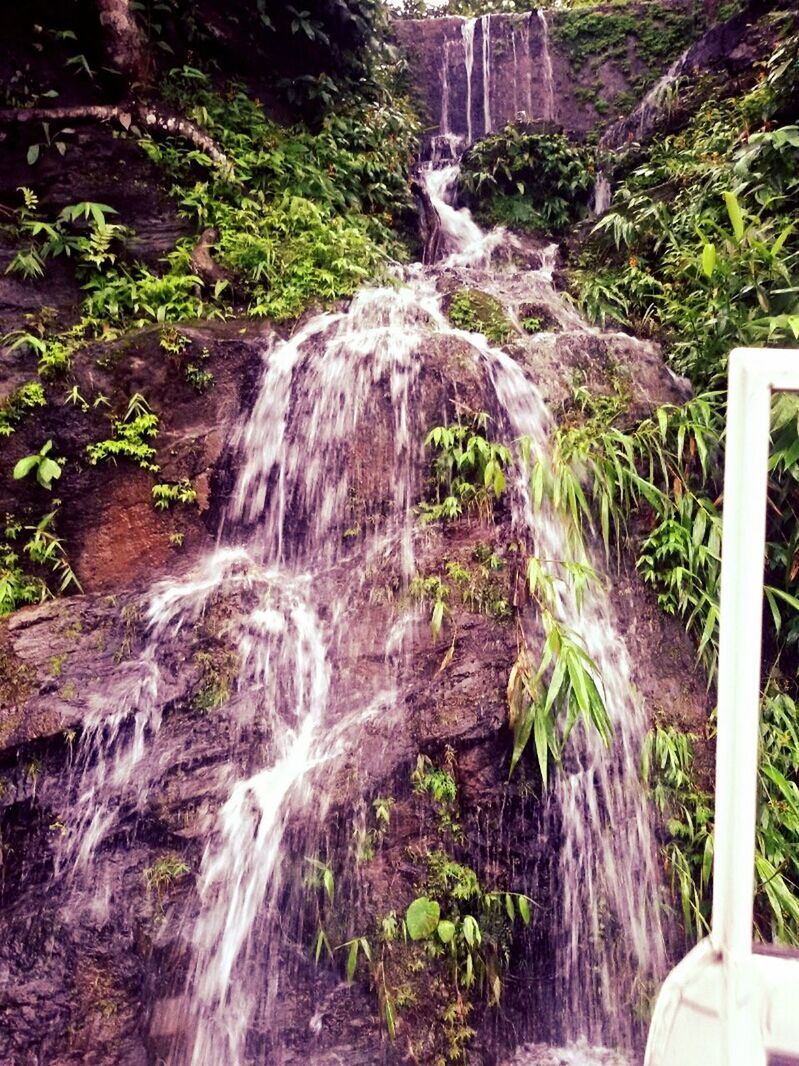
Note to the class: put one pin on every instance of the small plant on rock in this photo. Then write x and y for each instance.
(164, 873)
(47, 469)
(468, 471)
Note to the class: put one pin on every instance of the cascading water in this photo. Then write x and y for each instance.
(603, 194)
(607, 875)
(546, 63)
(485, 24)
(467, 32)
(290, 581)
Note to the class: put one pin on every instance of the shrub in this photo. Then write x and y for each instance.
(529, 181)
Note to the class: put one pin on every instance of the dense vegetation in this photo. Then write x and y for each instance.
(527, 180)
(280, 216)
(700, 249)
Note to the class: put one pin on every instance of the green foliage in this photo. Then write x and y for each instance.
(547, 698)
(478, 312)
(131, 440)
(596, 37)
(218, 666)
(597, 476)
(532, 324)
(668, 767)
(422, 919)
(432, 590)
(667, 762)
(29, 556)
(702, 249)
(468, 471)
(701, 245)
(15, 406)
(529, 181)
(481, 583)
(166, 493)
(302, 218)
(439, 784)
(165, 872)
(427, 959)
(466, 925)
(47, 469)
(55, 353)
(81, 231)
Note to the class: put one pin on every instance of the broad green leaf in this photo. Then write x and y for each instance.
(390, 1024)
(422, 918)
(708, 260)
(24, 466)
(352, 961)
(48, 471)
(735, 213)
(524, 909)
(445, 931)
(471, 930)
(328, 882)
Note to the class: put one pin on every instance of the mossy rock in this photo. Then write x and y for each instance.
(479, 312)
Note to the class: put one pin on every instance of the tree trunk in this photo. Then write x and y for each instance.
(124, 42)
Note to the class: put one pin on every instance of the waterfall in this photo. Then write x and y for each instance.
(515, 72)
(485, 23)
(467, 32)
(603, 194)
(546, 64)
(531, 66)
(444, 125)
(288, 586)
(608, 873)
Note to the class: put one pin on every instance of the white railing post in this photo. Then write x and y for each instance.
(742, 557)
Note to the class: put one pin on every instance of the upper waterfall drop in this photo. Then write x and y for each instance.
(467, 32)
(546, 63)
(485, 23)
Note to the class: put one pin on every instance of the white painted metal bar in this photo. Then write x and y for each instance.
(743, 550)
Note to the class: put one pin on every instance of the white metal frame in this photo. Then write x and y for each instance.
(752, 998)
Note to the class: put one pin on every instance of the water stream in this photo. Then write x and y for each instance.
(290, 581)
(546, 63)
(467, 31)
(485, 23)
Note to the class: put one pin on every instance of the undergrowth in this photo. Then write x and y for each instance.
(526, 180)
(700, 249)
(297, 218)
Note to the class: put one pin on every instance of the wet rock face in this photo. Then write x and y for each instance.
(112, 532)
(731, 50)
(98, 978)
(474, 75)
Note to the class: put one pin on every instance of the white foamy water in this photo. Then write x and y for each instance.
(579, 1054)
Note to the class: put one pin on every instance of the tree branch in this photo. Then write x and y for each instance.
(148, 115)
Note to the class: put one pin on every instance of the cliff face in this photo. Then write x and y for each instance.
(577, 70)
(128, 739)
